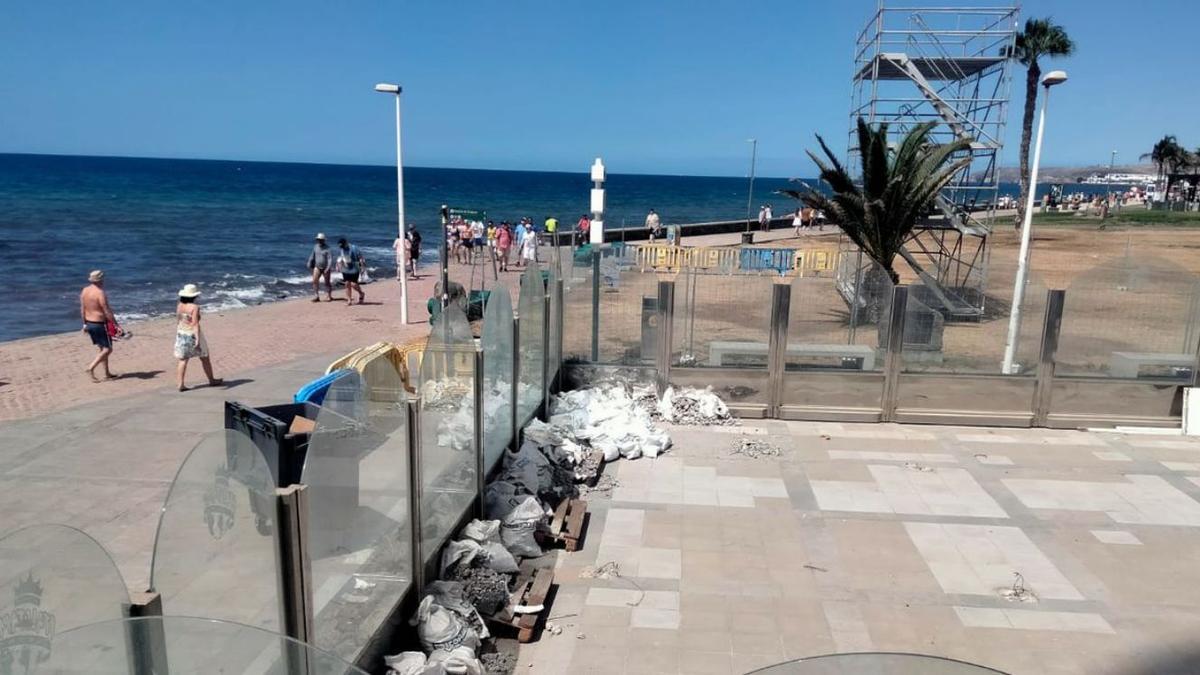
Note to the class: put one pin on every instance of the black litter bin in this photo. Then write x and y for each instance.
(268, 427)
(747, 238)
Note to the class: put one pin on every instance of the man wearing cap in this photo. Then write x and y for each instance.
(96, 315)
(320, 263)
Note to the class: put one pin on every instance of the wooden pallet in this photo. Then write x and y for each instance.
(568, 522)
(532, 589)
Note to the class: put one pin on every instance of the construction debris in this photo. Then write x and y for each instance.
(754, 449)
(486, 589)
(686, 406)
(604, 487)
(499, 663)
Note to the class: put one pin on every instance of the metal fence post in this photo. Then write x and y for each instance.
(558, 348)
(781, 304)
(595, 304)
(146, 640)
(513, 401)
(295, 566)
(545, 406)
(894, 358)
(478, 401)
(1043, 393)
(666, 321)
(415, 495)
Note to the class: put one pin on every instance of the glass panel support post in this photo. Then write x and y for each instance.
(894, 358)
(415, 496)
(295, 566)
(479, 471)
(146, 641)
(546, 319)
(666, 321)
(558, 348)
(1051, 326)
(595, 304)
(781, 304)
(516, 388)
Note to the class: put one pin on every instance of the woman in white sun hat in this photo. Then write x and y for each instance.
(189, 340)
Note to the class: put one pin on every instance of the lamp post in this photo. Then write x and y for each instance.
(750, 193)
(395, 89)
(1014, 320)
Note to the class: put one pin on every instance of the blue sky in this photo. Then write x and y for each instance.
(653, 87)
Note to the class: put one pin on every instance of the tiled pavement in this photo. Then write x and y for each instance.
(1030, 551)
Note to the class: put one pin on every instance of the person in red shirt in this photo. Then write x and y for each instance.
(583, 228)
(504, 239)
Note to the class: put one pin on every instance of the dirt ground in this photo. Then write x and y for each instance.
(1127, 290)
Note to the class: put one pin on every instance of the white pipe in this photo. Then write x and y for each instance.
(400, 216)
(1014, 319)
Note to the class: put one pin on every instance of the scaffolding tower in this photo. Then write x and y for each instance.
(946, 65)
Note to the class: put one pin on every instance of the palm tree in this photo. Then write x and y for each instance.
(897, 190)
(1041, 37)
(1168, 156)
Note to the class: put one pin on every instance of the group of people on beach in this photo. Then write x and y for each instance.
(472, 241)
(100, 325)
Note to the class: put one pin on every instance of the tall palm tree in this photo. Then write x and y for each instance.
(1168, 156)
(1041, 37)
(898, 188)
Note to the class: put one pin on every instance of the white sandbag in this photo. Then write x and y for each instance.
(406, 663)
(452, 596)
(462, 552)
(482, 531)
(517, 528)
(542, 433)
(440, 628)
(460, 661)
(666, 405)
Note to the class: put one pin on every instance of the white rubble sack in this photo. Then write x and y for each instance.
(440, 628)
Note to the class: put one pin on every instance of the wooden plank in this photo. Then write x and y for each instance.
(574, 530)
(560, 514)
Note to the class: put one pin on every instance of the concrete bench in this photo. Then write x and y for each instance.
(719, 350)
(1127, 364)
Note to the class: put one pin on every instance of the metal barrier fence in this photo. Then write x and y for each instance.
(1114, 348)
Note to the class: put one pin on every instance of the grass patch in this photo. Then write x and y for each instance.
(1131, 217)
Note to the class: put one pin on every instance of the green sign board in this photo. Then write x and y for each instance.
(465, 214)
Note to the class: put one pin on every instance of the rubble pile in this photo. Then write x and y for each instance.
(686, 406)
(753, 448)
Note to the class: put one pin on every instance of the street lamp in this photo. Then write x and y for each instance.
(385, 88)
(750, 193)
(1014, 320)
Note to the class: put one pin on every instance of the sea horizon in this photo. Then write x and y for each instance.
(242, 229)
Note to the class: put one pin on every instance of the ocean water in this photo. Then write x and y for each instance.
(243, 230)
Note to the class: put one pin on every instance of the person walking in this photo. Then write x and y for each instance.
(529, 247)
(320, 264)
(764, 218)
(797, 221)
(504, 240)
(552, 230)
(413, 238)
(583, 229)
(477, 239)
(519, 240)
(350, 263)
(401, 246)
(654, 225)
(97, 315)
(189, 339)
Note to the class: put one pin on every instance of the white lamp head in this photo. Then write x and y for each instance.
(385, 88)
(1054, 77)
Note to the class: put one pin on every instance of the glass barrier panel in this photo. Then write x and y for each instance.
(577, 310)
(720, 320)
(52, 578)
(532, 311)
(1131, 318)
(829, 330)
(215, 552)
(447, 427)
(957, 329)
(357, 476)
(497, 343)
(183, 646)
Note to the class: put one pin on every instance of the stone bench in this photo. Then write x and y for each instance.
(1127, 364)
(719, 350)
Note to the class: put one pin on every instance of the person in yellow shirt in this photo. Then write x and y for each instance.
(552, 230)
